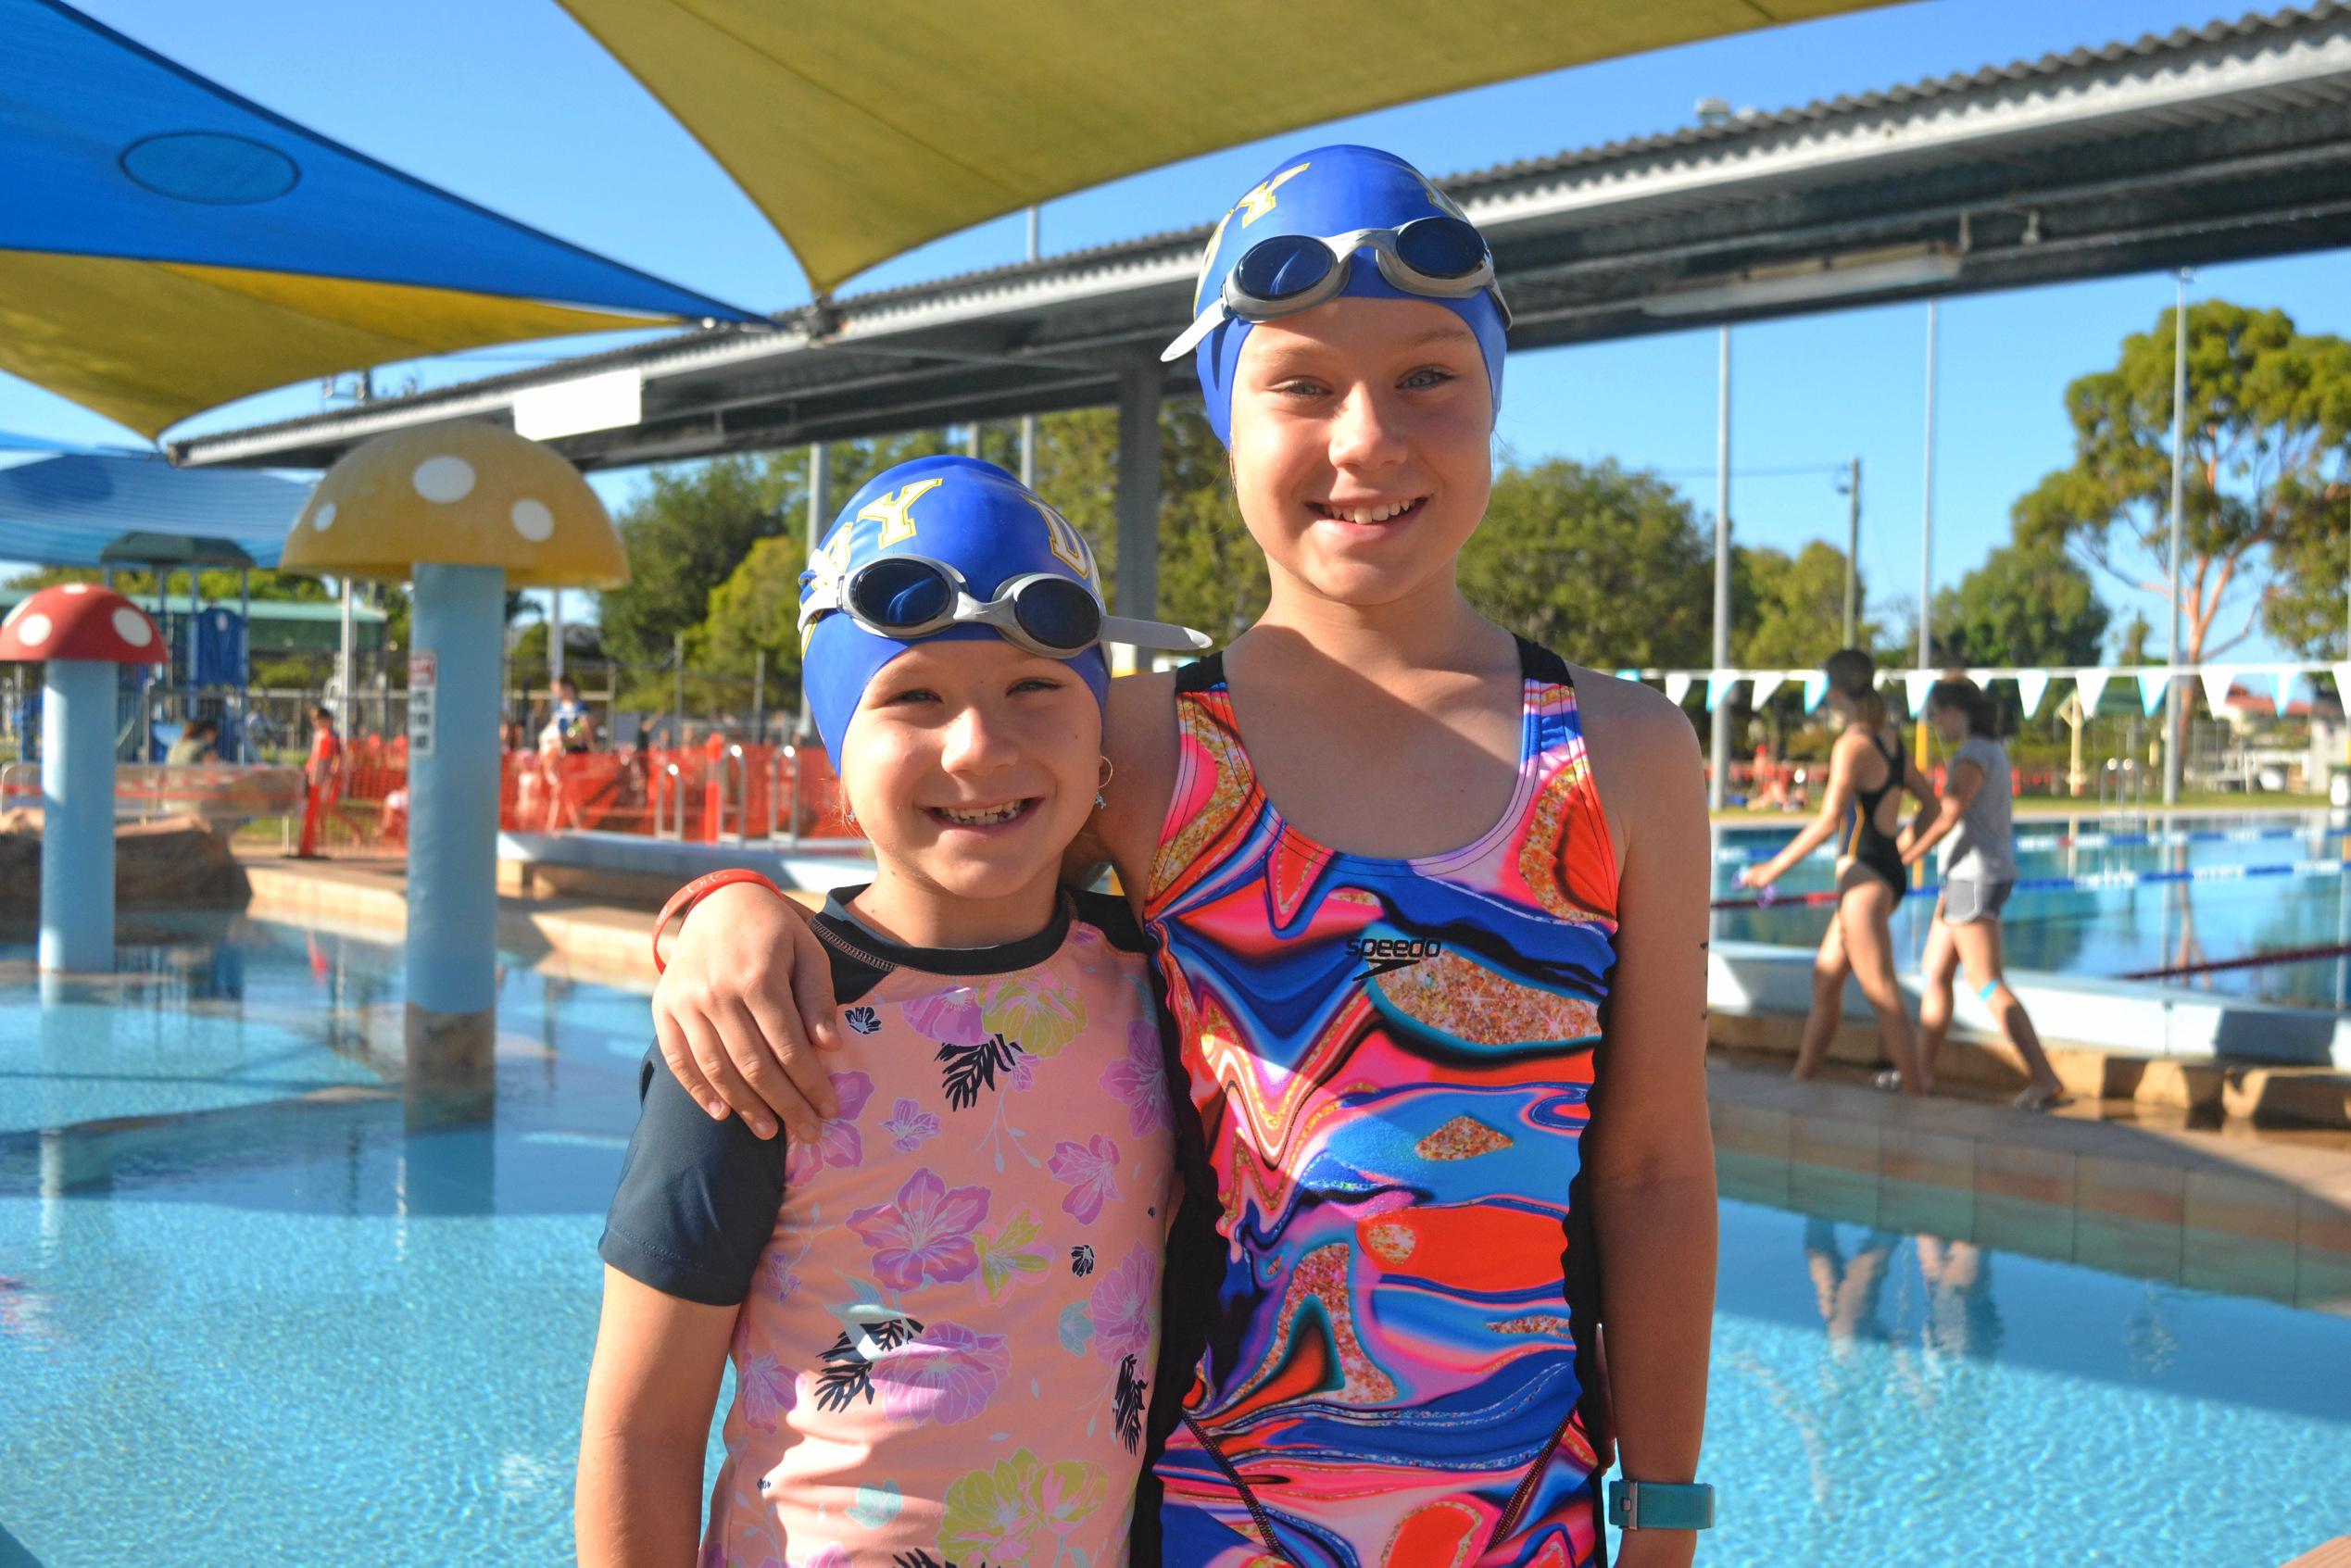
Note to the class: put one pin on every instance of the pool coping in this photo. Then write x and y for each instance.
(2232, 1209)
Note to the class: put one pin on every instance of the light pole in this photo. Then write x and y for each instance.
(1927, 540)
(1850, 486)
(1718, 731)
(2172, 714)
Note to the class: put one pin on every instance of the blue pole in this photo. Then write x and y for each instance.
(77, 816)
(453, 792)
(453, 806)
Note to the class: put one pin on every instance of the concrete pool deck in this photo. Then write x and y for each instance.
(2178, 1185)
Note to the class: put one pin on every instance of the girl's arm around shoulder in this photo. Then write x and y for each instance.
(651, 1389)
(1648, 1154)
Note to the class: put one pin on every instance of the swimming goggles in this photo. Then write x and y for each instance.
(905, 597)
(1285, 274)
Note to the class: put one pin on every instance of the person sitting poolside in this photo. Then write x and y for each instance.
(198, 743)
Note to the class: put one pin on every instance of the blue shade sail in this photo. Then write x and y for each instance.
(66, 511)
(166, 245)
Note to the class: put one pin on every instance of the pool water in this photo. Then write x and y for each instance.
(261, 1321)
(2114, 931)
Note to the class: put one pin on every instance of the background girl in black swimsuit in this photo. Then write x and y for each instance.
(1867, 772)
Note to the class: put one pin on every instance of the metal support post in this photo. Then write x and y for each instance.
(2174, 711)
(1927, 542)
(1138, 389)
(1719, 741)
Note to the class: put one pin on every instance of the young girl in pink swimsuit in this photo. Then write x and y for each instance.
(943, 1309)
(1431, 904)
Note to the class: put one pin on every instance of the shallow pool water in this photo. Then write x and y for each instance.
(248, 1315)
(2299, 902)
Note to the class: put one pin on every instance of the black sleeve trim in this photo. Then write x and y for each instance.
(698, 1199)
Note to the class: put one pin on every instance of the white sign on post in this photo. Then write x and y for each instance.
(424, 680)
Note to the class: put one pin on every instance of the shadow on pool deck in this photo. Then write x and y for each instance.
(2245, 1212)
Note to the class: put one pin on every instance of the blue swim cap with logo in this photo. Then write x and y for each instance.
(1330, 191)
(960, 513)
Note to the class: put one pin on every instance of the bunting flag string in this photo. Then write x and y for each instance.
(1720, 684)
(2217, 679)
(1676, 685)
(2092, 686)
(1915, 684)
(2153, 684)
(2032, 686)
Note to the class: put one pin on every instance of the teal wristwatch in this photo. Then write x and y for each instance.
(1654, 1505)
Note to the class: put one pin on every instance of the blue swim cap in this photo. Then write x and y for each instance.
(969, 515)
(1326, 192)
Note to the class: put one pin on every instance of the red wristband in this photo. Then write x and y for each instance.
(684, 898)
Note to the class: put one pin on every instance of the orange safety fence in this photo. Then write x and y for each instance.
(702, 794)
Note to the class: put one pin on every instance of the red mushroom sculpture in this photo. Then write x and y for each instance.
(78, 633)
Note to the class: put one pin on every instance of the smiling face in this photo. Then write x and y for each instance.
(971, 765)
(1361, 446)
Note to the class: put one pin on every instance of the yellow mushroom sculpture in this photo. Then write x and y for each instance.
(463, 511)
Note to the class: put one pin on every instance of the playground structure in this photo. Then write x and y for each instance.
(80, 635)
(463, 512)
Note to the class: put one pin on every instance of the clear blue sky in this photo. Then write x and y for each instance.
(508, 102)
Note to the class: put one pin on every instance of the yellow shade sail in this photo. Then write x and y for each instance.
(150, 343)
(863, 127)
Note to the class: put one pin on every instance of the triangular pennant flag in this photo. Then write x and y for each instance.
(1720, 684)
(2032, 686)
(2343, 685)
(1914, 687)
(1816, 689)
(1629, 674)
(2091, 685)
(2216, 679)
(1767, 683)
(1983, 678)
(2152, 685)
(2282, 678)
(1677, 686)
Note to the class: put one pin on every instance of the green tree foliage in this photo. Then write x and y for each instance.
(2026, 604)
(212, 583)
(684, 535)
(2269, 431)
(1787, 610)
(1604, 566)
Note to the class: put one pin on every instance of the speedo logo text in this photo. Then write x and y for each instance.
(1383, 954)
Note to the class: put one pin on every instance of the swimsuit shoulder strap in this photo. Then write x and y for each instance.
(1215, 796)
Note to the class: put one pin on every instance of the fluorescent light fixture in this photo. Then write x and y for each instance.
(1821, 278)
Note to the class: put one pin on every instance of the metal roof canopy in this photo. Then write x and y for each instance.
(2219, 144)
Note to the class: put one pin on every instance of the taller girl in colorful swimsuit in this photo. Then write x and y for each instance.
(1431, 905)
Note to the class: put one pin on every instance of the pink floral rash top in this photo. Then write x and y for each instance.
(950, 1304)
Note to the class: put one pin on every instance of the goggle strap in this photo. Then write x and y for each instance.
(1158, 636)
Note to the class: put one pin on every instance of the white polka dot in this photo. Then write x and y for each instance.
(132, 627)
(531, 519)
(34, 630)
(77, 587)
(442, 478)
(323, 518)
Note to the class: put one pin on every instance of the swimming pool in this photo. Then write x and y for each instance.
(2116, 930)
(247, 1316)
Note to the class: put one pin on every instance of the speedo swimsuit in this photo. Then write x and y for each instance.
(1392, 1060)
(1867, 843)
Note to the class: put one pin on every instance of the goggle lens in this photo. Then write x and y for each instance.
(1283, 266)
(1441, 247)
(1058, 614)
(899, 593)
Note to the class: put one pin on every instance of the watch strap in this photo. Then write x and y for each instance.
(1658, 1505)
